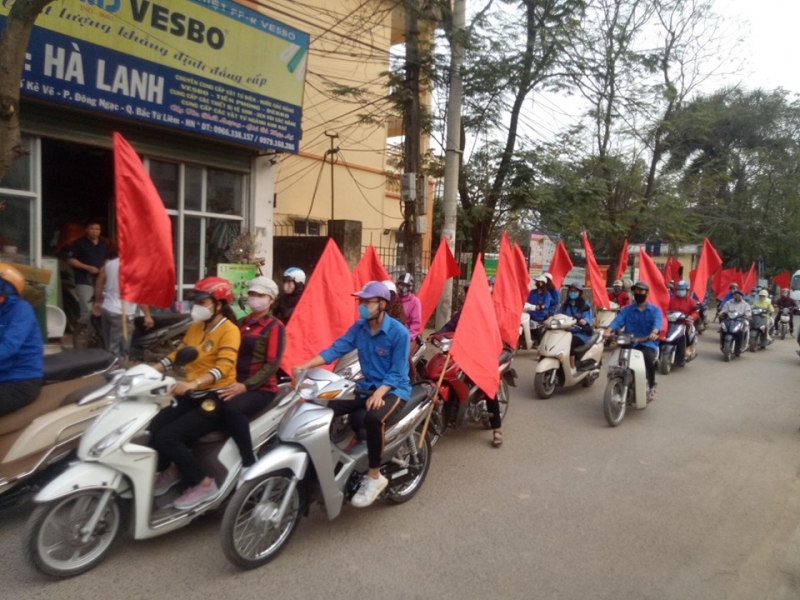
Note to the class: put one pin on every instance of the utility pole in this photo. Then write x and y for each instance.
(452, 149)
(412, 130)
(332, 135)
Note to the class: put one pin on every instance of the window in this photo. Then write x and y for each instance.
(18, 208)
(306, 227)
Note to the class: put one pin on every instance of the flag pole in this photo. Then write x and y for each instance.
(433, 402)
(124, 326)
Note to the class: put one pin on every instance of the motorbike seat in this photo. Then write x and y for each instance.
(72, 364)
(581, 350)
(220, 435)
(420, 392)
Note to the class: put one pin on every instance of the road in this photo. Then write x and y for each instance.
(698, 496)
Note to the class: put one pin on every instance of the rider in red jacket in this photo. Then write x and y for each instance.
(682, 301)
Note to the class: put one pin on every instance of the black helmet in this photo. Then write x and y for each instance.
(405, 283)
(641, 285)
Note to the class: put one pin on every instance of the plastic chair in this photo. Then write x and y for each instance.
(56, 322)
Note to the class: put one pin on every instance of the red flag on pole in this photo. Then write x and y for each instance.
(659, 295)
(782, 280)
(523, 276)
(506, 295)
(443, 267)
(560, 266)
(722, 281)
(671, 270)
(709, 263)
(369, 268)
(594, 276)
(476, 343)
(749, 279)
(739, 279)
(623, 260)
(146, 262)
(324, 312)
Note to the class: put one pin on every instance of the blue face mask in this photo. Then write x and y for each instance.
(681, 293)
(573, 295)
(363, 311)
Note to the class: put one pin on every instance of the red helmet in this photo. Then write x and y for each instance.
(213, 287)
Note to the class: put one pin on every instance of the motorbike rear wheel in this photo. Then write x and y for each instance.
(727, 350)
(544, 384)
(615, 402)
(665, 362)
(405, 491)
(249, 537)
(783, 331)
(755, 339)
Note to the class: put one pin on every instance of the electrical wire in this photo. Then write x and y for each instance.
(358, 185)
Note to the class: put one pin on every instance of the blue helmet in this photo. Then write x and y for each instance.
(295, 274)
(682, 285)
(576, 286)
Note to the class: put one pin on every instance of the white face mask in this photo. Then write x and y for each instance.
(259, 304)
(201, 313)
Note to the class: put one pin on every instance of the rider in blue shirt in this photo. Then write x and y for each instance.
(383, 346)
(541, 300)
(577, 307)
(642, 319)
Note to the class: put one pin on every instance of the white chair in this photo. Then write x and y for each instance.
(56, 322)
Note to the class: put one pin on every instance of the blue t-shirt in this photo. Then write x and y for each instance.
(383, 355)
(571, 309)
(544, 299)
(639, 323)
(21, 347)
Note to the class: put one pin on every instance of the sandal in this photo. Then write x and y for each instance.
(497, 441)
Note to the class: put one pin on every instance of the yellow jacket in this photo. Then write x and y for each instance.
(217, 349)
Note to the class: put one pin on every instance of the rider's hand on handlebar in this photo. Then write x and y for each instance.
(653, 336)
(608, 333)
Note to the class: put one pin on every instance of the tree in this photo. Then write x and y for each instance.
(13, 44)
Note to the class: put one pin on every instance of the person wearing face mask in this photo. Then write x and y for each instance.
(21, 348)
(641, 319)
(412, 308)
(785, 301)
(383, 346)
(294, 283)
(540, 305)
(683, 302)
(577, 307)
(215, 336)
(618, 294)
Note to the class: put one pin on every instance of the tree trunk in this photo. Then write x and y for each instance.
(13, 44)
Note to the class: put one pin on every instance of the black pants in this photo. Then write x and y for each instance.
(18, 394)
(494, 411)
(374, 421)
(175, 426)
(649, 364)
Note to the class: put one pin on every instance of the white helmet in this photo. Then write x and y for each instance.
(295, 274)
(390, 284)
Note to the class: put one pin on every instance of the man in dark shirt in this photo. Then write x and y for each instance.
(87, 256)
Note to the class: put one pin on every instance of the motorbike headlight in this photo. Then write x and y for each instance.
(555, 323)
(112, 438)
(127, 383)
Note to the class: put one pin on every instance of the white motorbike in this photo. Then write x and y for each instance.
(554, 370)
(529, 331)
(307, 466)
(603, 318)
(785, 318)
(627, 380)
(80, 513)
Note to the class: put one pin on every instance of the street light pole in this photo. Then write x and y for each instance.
(332, 135)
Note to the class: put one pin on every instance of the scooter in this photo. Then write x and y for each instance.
(733, 327)
(678, 326)
(784, 320)
(80, 513)
(306, 466)
(43, 433)
(150, 345)
(530, 331)
(627, 380)
(554, 370)
(759, 324)
(603, 318)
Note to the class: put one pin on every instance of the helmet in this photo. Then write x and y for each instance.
(784, 290)
(682, 285)
(627, 283)
(733, 286)
(540, 279)
(263, 285)
(548, 276)
(374, 289)
(213, 287)
(617, 283)
(406, 279)
(390, 285)
(10, 275)
(763, 293)
(295, 274)
(576, 286)
(642, 286)
(492, 279)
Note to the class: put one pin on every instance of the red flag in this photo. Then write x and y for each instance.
(709, 263)
(594, 276)
(369, 268)
(324, 312)
(523, 276)
(146, 262)
(443, 267)
(560, 266)
(476, 343)
(722, 281)
(738, 278)
(623, 260)
(672, 270)
(782, 280)
(659, 295)
(750, 279)
(506, 295)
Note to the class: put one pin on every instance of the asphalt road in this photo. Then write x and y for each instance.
(696, 497)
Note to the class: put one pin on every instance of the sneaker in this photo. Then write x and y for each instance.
(195, 496)
(369, 490)
(165, 480)
(651, 394)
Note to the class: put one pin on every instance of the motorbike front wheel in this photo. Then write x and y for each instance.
(544, 384)
(418, 459)
(783, 332)
(615, 402)
(727, 350)
(665, 362)
(54, 536)
(250, 537)
(754, 341)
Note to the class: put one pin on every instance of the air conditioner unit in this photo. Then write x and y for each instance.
(422, 224)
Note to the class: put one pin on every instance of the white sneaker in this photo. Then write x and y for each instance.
(369, 491)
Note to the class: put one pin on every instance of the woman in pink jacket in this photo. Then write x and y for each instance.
(413, 311)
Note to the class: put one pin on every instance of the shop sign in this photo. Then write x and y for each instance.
(238, 275)
(211, 67)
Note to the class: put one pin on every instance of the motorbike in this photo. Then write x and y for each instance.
(80, 513)
(530, 331)
(627, 380)
(784, 321)
(759, 325)
(150, 345)
(460, 401)
(702, 323)
(603, 318)
(553, 369)
(35, 438)
(677, 327)
(306, 466)
(733, 327)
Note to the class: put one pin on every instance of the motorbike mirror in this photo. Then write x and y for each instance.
(185, 356)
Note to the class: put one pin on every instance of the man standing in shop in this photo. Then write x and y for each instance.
(87, 256)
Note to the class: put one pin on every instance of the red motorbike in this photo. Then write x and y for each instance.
(459, 400)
